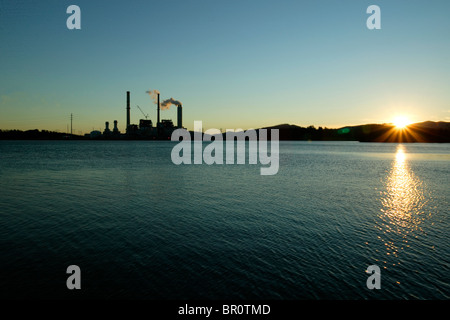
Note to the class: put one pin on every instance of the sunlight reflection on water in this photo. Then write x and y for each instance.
(403, 206)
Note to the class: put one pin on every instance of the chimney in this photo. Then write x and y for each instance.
(128, 108)
(107, 131)
(115, 130)
(158, 110)
(180, 116)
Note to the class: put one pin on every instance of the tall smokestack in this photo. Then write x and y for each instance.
(128, 108)
(180, 116)
(158, 108)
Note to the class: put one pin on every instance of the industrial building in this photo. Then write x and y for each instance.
(145, 130)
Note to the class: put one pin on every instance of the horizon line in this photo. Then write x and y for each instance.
(249, 128)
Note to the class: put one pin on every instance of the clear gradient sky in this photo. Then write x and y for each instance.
(233, 64)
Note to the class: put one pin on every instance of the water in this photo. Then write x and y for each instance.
(139, 226)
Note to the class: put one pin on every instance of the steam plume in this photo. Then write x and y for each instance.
(153, 94)
(166, 103)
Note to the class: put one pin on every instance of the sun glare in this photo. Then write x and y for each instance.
(401, 122)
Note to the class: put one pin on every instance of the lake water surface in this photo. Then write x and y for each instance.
(139, 226)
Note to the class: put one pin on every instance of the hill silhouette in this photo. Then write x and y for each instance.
(36, 135)
(428, 131)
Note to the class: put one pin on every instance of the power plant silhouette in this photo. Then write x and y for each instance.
(145, 130)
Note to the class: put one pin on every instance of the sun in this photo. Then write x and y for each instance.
(401, 122)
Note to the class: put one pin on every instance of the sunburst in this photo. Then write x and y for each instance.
(401, 122)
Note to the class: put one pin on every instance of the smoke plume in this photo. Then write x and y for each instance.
(166, 103)
(153, 94)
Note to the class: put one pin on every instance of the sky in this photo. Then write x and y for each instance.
(233, 64)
